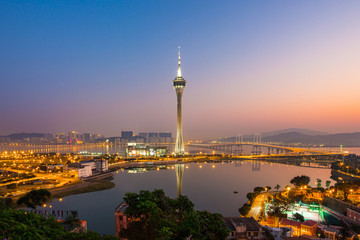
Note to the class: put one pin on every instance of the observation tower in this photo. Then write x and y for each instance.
(179, 85)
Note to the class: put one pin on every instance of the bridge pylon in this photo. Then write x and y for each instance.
(256, 140)
(238, 148)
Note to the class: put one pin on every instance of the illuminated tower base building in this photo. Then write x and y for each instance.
(179, 85)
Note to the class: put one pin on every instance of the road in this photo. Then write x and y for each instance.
(257, 206)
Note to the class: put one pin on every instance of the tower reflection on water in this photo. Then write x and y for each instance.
(179, 169)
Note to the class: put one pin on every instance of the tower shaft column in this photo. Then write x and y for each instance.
(179, 147)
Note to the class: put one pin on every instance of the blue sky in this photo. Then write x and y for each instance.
(107, 66)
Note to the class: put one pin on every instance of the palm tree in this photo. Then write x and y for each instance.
(318, 181)
(34, 198)
(277, 187)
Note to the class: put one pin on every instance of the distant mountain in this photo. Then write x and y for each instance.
(304, 136)
(293, 130)
(19, 136)
(249, 137)
(345, 139)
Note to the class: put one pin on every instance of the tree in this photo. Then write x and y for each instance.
(318, 183)
(300, 181)
(258, 189)
(245, 209)
(251, 196)
(6, 203)
(17, 224)
(299, 217)
(346, 188)
(156, 216)
(209, 228)
(277, 187)
(72, 221)
(268, 188)
(276, 209)
(35, 198)
(328, 184)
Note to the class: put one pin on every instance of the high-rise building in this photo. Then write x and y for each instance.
(145, 135)
(127, 135)
(73, 135)
(179, 85)
(153, 137)
(60, 137)
(86, 137)
(165, 137)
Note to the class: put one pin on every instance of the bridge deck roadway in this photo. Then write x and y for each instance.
(292, 149)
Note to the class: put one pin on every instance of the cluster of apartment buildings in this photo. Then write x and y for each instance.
(89, 167)
(80, 169)
(144, 137)
(74, 137)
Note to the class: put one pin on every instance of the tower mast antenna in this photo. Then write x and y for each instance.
(179, 66)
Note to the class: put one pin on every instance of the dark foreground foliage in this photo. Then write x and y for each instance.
(17, 224)
(156, 216)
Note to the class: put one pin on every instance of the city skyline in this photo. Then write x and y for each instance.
(254, 67)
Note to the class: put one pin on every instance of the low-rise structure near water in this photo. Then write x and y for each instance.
(121, 221)
(244, 228)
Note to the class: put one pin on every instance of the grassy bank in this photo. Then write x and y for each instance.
(88, 186)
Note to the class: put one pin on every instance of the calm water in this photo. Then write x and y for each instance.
(210, 188)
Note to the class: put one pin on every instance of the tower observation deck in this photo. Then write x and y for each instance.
(179, 85)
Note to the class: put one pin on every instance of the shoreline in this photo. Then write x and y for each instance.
(85, 186)
(94, 184)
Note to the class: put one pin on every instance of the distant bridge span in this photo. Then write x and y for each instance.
(234, 146)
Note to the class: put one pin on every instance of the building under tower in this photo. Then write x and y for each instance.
(179, 85)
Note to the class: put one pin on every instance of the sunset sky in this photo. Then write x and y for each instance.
(250, 66)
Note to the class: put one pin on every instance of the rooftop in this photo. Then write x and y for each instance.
(309, 223)
(122, 207)
(250, 223)
(288, 222)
